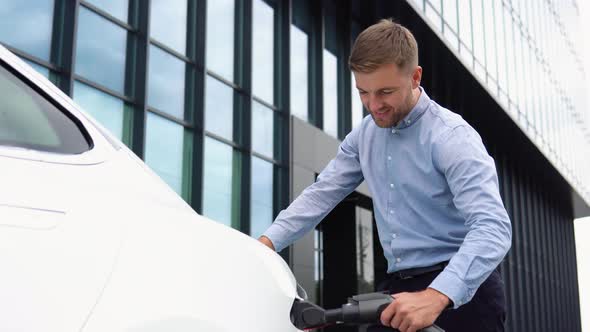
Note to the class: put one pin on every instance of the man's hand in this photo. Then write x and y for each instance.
(410, 312)
(267, 242)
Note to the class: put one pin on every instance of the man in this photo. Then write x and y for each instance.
(441, 221)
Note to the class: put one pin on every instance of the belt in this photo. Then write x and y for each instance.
(417, 271)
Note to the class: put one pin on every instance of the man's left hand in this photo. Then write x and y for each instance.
(410, 312)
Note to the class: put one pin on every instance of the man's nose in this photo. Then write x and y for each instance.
(374, 104)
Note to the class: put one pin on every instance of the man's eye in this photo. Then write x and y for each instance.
(386, 92)
(363, 92)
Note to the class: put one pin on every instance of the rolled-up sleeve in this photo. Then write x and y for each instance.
(471, 175)
(338, 179)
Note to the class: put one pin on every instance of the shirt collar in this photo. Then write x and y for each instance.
(416, 112)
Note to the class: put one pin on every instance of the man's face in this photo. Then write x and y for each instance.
(389, 93)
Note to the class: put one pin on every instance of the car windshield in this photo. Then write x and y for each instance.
(30, 121)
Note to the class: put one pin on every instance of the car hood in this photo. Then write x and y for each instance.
(187, 273)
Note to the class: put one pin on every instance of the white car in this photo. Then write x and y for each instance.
(92, 240)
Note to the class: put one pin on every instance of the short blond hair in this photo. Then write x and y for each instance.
(383, 43)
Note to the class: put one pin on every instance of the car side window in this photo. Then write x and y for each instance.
(30, 121)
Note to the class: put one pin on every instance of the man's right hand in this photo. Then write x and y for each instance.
(267, 242)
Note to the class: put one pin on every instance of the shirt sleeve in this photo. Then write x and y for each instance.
(339, 178)
(471, 175)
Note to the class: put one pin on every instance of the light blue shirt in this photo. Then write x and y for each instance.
(435, 195)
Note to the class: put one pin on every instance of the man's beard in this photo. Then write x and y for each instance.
(406, 108)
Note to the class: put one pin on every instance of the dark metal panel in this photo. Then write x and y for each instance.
(343, 19)
(576, 290)
(530, 273)
(243, 114)
(137, 71)
(63, 45)
(281, 183)
(517, 249)
(545, 267)
(524, 224)
(196, 41)
(548, 262)
(316, 49)
(553, 262)
(508, 270)
(537, 263)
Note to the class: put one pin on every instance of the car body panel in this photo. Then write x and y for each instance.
(98, 242)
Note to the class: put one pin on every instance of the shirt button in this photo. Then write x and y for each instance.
(388, 157)
(391, 185)
(393, 131)
(408, 121)
(394, 235)
(398, 259)
(391, 211)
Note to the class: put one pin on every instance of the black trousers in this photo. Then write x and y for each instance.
(485, 312)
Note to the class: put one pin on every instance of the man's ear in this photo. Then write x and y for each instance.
(416, 77)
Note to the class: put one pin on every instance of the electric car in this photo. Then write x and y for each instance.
(92, 240)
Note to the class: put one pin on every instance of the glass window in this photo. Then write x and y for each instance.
(501, 44)
(478, 30)
(217, 181)
(261, 193)
(166, 82)
(357, 105)
(100, 50)
(452, 38)
(465, 23)
(450, 13)
(490, 36)
(433, 13)
(542, 103)
(521, 65)
(466, 55)
(419, 4)
(106, 109)
(299, 73)
(30, 121)
(262, 129)
(330, 93)
(220, 37)
(518, 65)
(40, 69)
(436, 4)
(533, 88)
(27, 25)
(164, 146)
(117, 8)
(168, 23)
(263, 51)
(511, 87)
(318, 266)
(364, 251)
(219, 107)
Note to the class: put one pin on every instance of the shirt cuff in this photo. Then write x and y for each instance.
(453, 287)
(274, 233)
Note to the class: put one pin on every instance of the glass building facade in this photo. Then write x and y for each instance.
(180, 83)
(527, 54)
